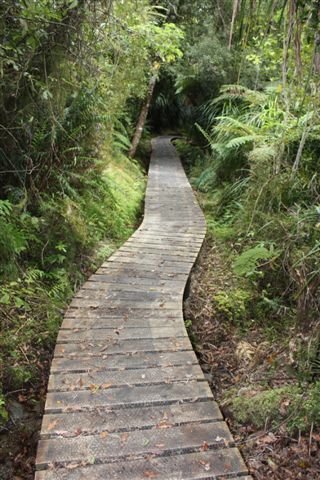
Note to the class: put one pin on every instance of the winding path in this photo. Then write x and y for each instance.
(127, 399)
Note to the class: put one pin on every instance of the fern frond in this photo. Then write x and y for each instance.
(263, 153)
(238, 142)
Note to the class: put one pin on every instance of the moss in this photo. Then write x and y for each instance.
(233, 304)
(292, 406)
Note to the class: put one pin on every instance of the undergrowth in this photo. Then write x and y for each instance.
(48, 254)
(267, 229)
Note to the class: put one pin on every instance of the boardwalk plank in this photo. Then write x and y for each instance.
(120, 333)
(131, 360)
(98, 348)
(142, 442)
(130, 323)
(92, 380)
(126, 398)
(221, 464)
(100, 420)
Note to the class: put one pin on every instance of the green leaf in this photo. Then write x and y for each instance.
(5, 299)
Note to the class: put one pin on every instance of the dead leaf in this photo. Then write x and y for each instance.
(205, 465)
(124, 437)
(150, 474)
(104, 434)
(94, 388)
(267, 439)
(106, 385)
(272, 464)
(164, 424)
(72, 466)
(52, 424)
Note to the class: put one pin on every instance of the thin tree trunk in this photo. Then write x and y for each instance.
(316, 57)
(142, 117)
(302, 143)
(297, 38)
(234, 14)
(287, 37)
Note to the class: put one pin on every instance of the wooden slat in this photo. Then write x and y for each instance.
(99, 348)
(127, 398)
(124, 311)
(131, 360)
(115, 378)
(77, 335)
(223, 464)
(121, 323)
(142, 442)
(71, 424)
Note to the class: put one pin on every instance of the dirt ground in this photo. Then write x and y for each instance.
(272, 455)
(19, 437)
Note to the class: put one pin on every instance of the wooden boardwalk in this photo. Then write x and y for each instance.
(127, 398)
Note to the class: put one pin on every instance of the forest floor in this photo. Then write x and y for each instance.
(20, 436)
(237, 363)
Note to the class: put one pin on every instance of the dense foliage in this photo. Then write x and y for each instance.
(73, 74)
(251, 86)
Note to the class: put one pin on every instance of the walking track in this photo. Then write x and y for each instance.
(127, 399)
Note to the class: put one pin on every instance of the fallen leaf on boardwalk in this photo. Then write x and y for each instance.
(63, 433)
(164, 424)
(124, 437)
(205, 465)
(94, 388)
(150, 474)
(204, 446)
(78, 431)
(160, 445)
(81, 382)
(106, 385)
(52, 424)
(104, 434)
(72, 466)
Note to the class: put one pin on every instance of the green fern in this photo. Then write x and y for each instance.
(248, 261)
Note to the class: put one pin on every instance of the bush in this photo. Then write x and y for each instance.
(233, 305)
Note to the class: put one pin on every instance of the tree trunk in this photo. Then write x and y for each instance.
(142, 117)
(233, 19)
